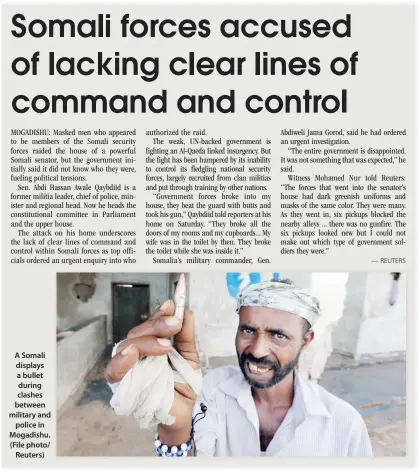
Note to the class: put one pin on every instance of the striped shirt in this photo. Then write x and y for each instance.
(317, 424)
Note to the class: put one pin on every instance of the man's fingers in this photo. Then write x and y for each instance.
(120, 364)
(166, 308)
(146, 328)
(187, 333)
(130, 351)
(147, 339)
(161, 326)
(185, 339)
(147, 345)
(185, 391)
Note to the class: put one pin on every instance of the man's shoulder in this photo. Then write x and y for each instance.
(336, 406)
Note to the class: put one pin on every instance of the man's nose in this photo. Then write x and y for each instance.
(259, 347)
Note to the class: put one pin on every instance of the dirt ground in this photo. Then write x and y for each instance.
(87, 425)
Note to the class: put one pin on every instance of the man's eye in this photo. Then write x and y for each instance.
(279, 336)
(247, 331)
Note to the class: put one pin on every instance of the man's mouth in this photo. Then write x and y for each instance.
(257, 369)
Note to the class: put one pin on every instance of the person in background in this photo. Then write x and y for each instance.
(262, 407)
(394, 291)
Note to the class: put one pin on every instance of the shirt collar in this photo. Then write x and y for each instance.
(237, 387)
(306, 400)
(306, 396)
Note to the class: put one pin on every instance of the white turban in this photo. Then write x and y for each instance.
(281, 296)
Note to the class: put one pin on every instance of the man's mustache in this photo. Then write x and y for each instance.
(262, 362)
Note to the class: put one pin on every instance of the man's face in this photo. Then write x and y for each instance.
(268, 344)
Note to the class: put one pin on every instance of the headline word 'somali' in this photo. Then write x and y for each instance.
(100, 27)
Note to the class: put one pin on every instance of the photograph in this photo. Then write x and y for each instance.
(286, 363)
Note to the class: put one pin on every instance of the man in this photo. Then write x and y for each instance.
(261, 407)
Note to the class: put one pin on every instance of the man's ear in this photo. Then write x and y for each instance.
(308, 337)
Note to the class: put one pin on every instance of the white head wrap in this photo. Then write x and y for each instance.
(281, 296)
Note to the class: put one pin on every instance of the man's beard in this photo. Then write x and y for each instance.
(278, 372)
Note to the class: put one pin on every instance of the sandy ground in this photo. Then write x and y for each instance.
(87, 426)
(366, 387)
